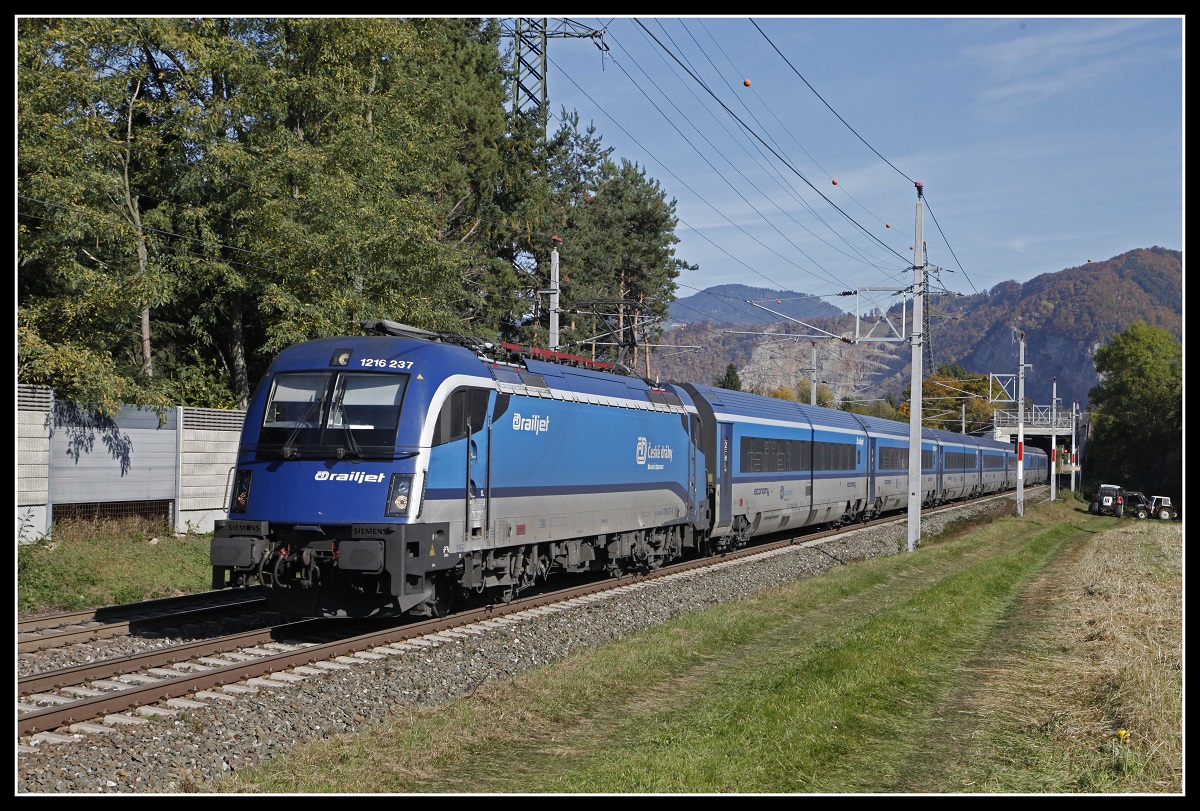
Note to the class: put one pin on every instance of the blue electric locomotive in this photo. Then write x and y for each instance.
(385, 474)
(392, 473)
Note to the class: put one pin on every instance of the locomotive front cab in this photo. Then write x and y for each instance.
(327, 485)
(338, 414)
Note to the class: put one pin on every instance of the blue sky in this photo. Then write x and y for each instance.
(1040, 142)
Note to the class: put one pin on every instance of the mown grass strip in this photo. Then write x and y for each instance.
(831, 720)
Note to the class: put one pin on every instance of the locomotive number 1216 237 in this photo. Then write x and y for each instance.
(384, 363)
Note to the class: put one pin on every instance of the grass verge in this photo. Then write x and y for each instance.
(87, 564)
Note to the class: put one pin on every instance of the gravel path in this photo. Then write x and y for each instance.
(187, 751)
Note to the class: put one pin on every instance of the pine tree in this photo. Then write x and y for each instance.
(729, 380)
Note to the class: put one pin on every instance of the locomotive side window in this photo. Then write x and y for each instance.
(464, 406)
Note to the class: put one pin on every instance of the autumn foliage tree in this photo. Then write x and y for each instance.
(951, 396)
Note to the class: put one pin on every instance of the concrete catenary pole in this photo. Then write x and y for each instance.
(1074, 429)
(812, 389)
(1053, 437)
(915, 484)
(554, 294)
(1021, 431)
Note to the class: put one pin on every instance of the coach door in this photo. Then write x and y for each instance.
(724, 474)
(873, 449)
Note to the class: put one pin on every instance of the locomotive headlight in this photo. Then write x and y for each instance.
(398, 496)
(241, 492)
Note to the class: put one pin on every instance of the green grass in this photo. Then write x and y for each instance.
(88, 564)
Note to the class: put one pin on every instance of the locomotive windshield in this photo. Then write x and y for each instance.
(332, 414)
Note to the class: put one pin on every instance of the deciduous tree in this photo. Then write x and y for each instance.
(1137, 412)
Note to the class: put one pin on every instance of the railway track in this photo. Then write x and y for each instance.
(73, 627)
(99, 696)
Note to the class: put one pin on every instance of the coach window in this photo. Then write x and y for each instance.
(464, 407)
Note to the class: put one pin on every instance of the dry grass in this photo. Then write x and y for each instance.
(1120, 628)
(1084, 691)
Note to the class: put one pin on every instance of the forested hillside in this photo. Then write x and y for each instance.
(1066, 317)
(1090, 303)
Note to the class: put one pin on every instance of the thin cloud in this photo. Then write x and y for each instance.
(1031, 69)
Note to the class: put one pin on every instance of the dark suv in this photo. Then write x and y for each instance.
(1108, 500)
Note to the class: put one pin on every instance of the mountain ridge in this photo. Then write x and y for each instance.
(1065, 315)
(731, 304)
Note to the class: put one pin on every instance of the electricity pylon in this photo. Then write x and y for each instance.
(530, 94)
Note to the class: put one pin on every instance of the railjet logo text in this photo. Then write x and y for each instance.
(356, 476)
(537, 423)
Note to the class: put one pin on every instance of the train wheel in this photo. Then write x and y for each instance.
(741, 532)
(443, 596)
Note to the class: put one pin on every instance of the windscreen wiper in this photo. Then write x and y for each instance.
(289, 446)
(340, 408)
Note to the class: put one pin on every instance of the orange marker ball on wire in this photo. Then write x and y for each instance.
(887, 225)
(835, 181)
(746, 82)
